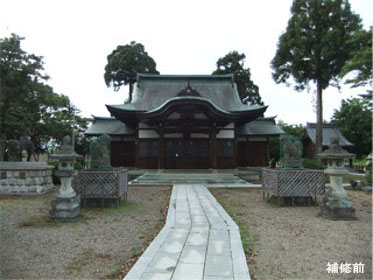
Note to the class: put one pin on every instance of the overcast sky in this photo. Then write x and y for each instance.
(183, 37)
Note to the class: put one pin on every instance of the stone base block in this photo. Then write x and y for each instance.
(65, 209)
(338, 213)
(25, 178)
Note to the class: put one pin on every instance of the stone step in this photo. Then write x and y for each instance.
(159, 179)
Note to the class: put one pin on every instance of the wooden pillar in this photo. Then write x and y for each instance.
(267, 161)
(213, 156)
(137, 153)
(161, 148)
(235, 151)
(247, 151)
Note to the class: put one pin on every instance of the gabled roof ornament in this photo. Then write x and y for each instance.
(189, 91)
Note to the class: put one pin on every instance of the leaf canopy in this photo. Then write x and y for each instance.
(125, 62)
(361, 59)
(26, 101)
(233, 62)
(354, 119)
(316, 44)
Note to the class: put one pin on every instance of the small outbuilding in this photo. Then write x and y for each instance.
(329, 130)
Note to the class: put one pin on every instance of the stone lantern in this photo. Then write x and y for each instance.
(66, 206)
(336, 205)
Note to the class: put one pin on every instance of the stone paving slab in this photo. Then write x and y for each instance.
(198, 241)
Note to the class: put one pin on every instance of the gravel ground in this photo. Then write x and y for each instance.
(294, 242)
(103, 244)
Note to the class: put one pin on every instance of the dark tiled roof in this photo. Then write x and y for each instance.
(329, 130)
(152, 91)
(110, 126)
(261, 126)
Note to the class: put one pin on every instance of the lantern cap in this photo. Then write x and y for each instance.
(335, 151)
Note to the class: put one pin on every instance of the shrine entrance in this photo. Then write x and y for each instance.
(187, 153)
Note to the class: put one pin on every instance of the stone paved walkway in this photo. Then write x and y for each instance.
(199, 241)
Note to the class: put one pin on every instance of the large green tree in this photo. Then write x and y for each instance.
(315, 47)
(123, 65)
(233, 62)
(360, 62)
(354, 119)
(26, 101)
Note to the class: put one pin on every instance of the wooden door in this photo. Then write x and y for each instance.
(186, 154)
(242, 154)
(258, 154)
(123, 154)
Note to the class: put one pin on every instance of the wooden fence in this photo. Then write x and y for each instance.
(293, 182)
(94, 184)
(359, 168)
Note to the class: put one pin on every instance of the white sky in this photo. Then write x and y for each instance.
(183, 37)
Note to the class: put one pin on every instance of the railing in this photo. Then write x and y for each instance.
(95, 184)
(293, 182)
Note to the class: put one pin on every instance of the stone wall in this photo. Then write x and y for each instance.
(25, 178)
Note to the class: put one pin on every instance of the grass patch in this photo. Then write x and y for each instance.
(113, 210)
(124, 207)
(38, 221)
(87, 214)
(135, 250)
(349, 177)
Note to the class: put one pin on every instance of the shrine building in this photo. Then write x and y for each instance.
(186, 122)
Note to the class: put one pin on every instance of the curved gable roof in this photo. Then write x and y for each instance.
(151, 91)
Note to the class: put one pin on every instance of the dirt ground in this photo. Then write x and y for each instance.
(101, 245)
(296, 243)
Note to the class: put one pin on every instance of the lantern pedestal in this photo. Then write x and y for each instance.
(65, 209)
(66, 206)
(336, 205)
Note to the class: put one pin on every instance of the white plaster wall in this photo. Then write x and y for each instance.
(228, 134)
(143, 134)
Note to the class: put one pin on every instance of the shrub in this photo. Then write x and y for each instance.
(78, 165)
(310, 164)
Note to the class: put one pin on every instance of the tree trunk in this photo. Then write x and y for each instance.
(319, 124)
(3, 135)
(2, 146)
(130, 93)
